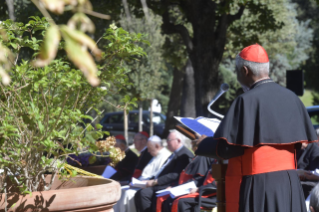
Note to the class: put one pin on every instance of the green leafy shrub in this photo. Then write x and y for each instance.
(43, 109)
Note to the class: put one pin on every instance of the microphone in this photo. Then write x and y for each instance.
(223, 88)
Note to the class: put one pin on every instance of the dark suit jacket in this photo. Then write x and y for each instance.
(125, 168)
(308, 159)
(170, 174)
(143, 160)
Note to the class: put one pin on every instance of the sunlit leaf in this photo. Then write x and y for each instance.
(4, 76)
(86, 25)
(82, 59)
(49, 47)
(82, 39)
(55, 6)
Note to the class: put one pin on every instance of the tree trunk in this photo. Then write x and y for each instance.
(188, 96)
(140, 116)
(174, 104)
(10, 4)
(125, 124)
(151, 119)
(206, 47)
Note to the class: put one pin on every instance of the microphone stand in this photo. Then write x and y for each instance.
(219, 170)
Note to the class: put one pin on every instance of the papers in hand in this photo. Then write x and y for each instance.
(109, 171)
(200, 125)
(137, 183)
(301, 172)
(177, 190)
(315, 172)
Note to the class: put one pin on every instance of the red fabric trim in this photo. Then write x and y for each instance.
(137, 173)
(209, 179)
(194, 195)
(159, 202)
(301, 141)
(183, 177)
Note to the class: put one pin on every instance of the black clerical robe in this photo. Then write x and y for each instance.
(125, 168)
(143, 160)
(259, 135)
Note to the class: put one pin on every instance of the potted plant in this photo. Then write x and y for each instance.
(42, 118)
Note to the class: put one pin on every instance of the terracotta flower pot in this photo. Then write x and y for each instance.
(95, 169)
(78, 194)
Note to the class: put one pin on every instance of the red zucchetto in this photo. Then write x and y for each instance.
(254, 53)
(144, 133)
(120, 137)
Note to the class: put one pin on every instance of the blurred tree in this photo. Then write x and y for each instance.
(206, 39)
(287, 47)
(308, 11)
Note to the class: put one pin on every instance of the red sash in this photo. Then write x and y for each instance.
(256, 160)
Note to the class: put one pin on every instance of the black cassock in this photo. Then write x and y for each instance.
(125, 168)
(259, 135)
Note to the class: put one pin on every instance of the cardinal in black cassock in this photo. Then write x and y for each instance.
(259, 135)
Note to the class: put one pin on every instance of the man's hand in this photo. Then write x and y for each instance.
(193, 190)
(202, 137)
(151, 183)
(311, 177)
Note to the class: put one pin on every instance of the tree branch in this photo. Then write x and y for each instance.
(237, 16)
(170, 28)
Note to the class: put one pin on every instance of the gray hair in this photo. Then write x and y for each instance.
(314, 198)
(317, 131)
(155, 140)
(178, 135)
(256, 68)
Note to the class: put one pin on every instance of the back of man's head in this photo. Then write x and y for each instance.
(314, 199)
(255, 58)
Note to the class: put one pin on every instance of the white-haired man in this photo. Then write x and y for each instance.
(168, 175)
(160, 155)
(259, 135)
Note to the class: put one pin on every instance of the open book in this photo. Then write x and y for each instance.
(177, 190)
(137, 183)
(200, 125)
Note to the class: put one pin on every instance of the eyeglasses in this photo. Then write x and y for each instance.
(172, 139)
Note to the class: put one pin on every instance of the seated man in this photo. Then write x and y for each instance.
(140, 142)
(160, 155)
(124, 168)
(168, 175)
(199, 171)
(189, 202)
